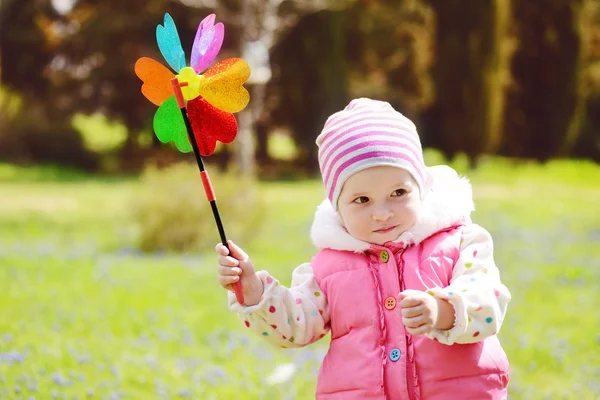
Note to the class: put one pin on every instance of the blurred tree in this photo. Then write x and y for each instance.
(309, 81)
(391, 52)
(25, 50)
(87, 54)
(261, 22)
(469, 73)
(33, 130)
(588, 142)
(374, 48)
(545, 102)
(82, 61)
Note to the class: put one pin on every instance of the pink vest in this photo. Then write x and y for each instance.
(371, 356)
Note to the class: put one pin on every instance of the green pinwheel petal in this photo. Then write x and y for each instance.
(182, 142)
(169, 126)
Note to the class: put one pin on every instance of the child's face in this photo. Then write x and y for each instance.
(378, 204)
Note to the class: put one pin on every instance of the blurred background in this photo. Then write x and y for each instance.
(107, 275)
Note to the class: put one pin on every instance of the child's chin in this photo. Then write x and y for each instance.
(383, 239)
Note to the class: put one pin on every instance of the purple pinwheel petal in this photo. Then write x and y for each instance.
(208, 42)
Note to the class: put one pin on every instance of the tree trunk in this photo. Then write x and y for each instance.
(312, 79)
(244, 145)
(468, 74)
(588, 141)
(545, 106)
(262, 143)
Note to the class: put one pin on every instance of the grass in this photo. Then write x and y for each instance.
(85, 315)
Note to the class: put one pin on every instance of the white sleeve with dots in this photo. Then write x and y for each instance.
(287, 317)
(479, 298)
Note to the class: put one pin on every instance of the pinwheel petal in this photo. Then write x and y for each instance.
(222, 84)
(208, 42)
(209, 125)
(157, 80)
(169, 126)
(170, 44)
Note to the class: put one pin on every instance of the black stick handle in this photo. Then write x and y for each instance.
(210, 193)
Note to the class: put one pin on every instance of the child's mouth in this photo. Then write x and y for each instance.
(386, 230)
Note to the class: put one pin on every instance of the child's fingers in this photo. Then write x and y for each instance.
(227, 261)
(237, 252)
(421, 330)
(229, 271)
(226, 281)
(222, 250)
(414, 322)
(410, 301)
(409, 298)
(411, 312)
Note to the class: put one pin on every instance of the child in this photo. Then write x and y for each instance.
(403, 279)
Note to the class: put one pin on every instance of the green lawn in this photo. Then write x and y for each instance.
(85, 315)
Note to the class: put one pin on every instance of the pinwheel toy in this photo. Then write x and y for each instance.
(211, 98)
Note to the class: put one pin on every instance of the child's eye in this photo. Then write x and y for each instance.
(399, 192)
(361, 199)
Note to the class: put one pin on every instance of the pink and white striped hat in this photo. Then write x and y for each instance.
(367, 133)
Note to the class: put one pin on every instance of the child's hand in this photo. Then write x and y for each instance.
(422, 312)
(238, 267)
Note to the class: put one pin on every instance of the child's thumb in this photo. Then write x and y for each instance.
(407, 293)
(236, 252)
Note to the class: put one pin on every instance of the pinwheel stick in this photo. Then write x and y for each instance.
(210, 193)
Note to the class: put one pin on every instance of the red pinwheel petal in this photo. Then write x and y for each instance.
(210, 124)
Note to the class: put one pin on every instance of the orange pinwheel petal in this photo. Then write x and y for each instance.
(157, 80)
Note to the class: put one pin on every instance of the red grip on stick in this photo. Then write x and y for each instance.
(178, 93)
(210, 193)
(239, 294)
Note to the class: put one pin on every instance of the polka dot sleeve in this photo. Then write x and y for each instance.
(287, 317)
(479, 298)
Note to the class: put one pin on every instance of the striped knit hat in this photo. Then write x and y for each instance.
(367, 133)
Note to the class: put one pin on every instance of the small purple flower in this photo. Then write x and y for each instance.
(187, 337)
(152, 316)
(32, 386)
(12, 357)
(215, 374)
(60, 380)
(83, 358)
(151, 360)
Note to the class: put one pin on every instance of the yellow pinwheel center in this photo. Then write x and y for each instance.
(189, 76)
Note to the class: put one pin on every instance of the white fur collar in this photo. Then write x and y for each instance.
(448, 200)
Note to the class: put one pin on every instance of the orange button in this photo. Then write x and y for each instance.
(390, 303)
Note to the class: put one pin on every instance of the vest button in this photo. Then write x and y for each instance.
(394, 355)
(390, 303)
(384, 255)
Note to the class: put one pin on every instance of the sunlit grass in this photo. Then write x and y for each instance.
(84, 313)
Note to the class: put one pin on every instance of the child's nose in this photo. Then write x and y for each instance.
(382, 214)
